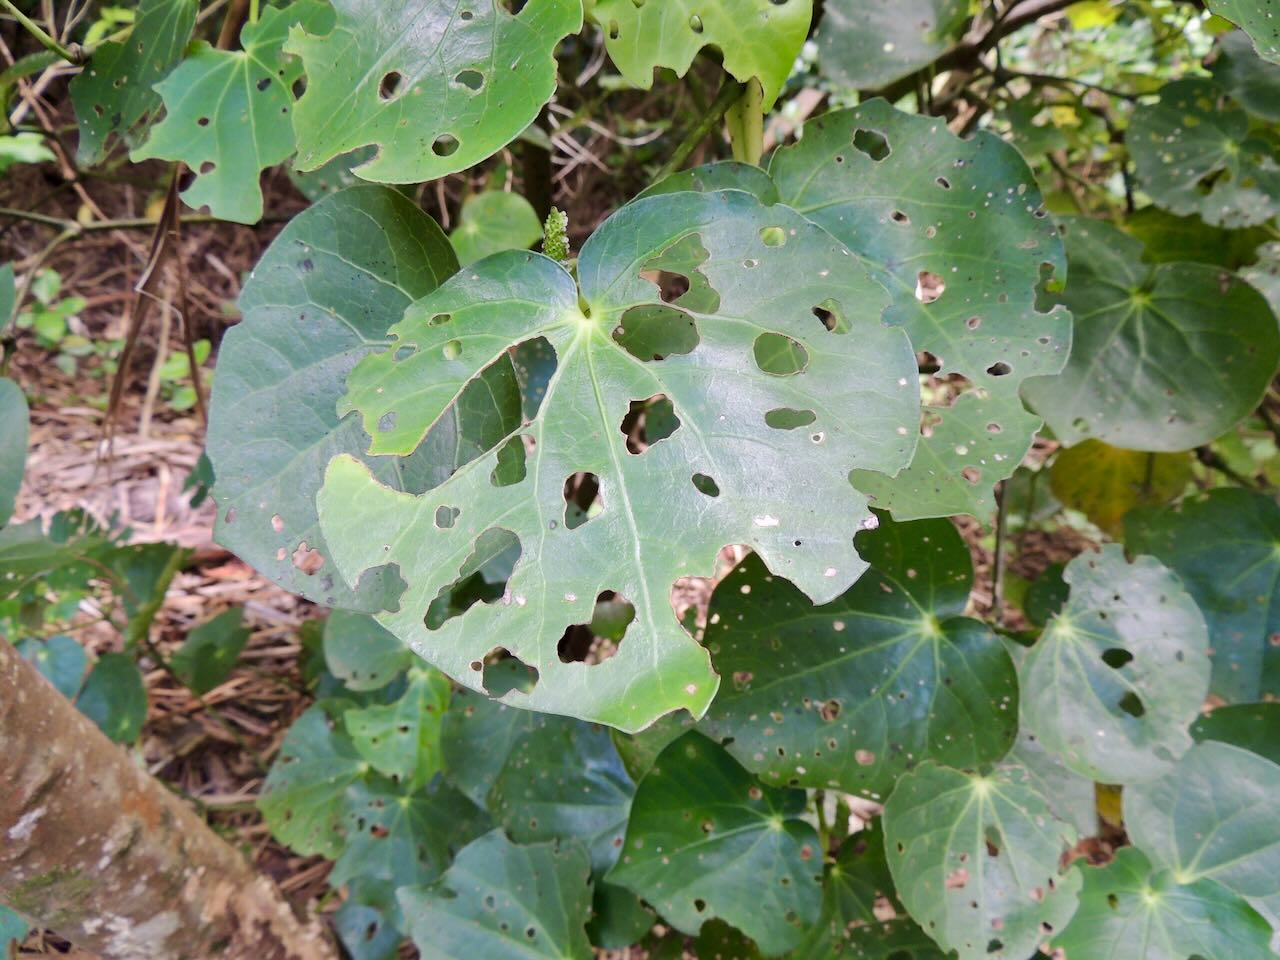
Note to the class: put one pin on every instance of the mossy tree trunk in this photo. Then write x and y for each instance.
(95, 849)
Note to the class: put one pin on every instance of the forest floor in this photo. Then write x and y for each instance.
(214, 750)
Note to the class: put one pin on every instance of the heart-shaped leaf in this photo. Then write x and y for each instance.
(304, 798)
(1194, 153)
(755, 380)
(1105, 483)
(1128, 909)
(1120, 672)
(321, 298)
(494, 221)
(956, 231)
(505, 902)
(977, 860)
(115, 698)
(865, 44)
(360, 653)
(227, 112)
(1165, 358)
(438, 87)
(1213, 815)
(13, 444)
(758, 39)
(477, 738)
(114, 94)
(854, 693)
(1223, 547)
(402, 739)
(209, 654)
(1258, 18)
(706, 840)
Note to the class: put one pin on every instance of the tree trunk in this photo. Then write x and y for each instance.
(95, 849)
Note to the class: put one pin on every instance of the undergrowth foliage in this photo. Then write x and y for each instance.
(496, 465)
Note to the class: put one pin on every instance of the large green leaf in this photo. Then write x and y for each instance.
(13, 444)
(1252, 726)
(706, 840)
(1253, 82)
(228, 112)
(744, 360)
(1070, 796)
(500, 901)
(321, 298)
(1170, 239)
(977, 860)
(494, 221)
(855, 886)
(477, 738)
(1194, 153)
(563, 779)
(1165, 357)
(437, 86)
(1212, 816)
(923, 209)
(1258, 18)
(303, 800)
(404, 835)
(758, 39)
(871, 43)
(401, 740)
(1225, 547)
(1129, 910)
(854, 693)
(1120, 672)
(114, 94)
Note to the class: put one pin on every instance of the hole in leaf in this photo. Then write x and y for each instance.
(510, 468)
(999, 369)
(202, 121)
(873, 144)
(695, 23)
(582, 501)
(452, 350)
(929, 286)
(784, 418)
(900, 218)
(445, 145)
(994, 946)
(705, 485)
(264, 83)
(506, 673)
(473, 80)
(482, 578)
(649, 421)
(595, 642)
(390, 85)
(446, 517)
(1115, 658)
(1132, 705)
(779, 355)
(831, 317)
(652, 332)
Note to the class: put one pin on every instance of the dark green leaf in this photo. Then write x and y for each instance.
(706, 840)
(758, 39)
(977, 860)
(724, 175)
(1223, 546)
(756, 274)
(13, 440)
(1170, 239)
(1194, 153)
(1128, 909)
(437, 86)
(143, 573)
(926, 211)
(360, 653)
(365, 925)
(1165, 358)
(304, 798)
(854, 693)
(227, 112)
(478, 735)
(500, 901)
(1258, 18)
(1253, 82)
(321, 298)
(618, 917)
(115, 698)
(209, 654)
(1120, 671)
(114, 95)
(60, 660)
(865, 44)
(1252, 726)
(1213, 816)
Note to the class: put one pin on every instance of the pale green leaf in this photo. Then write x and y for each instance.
(361, 653)
(1253, 81)
(1258, 18)
(866, 44)
(494, 221)
(401, 740)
